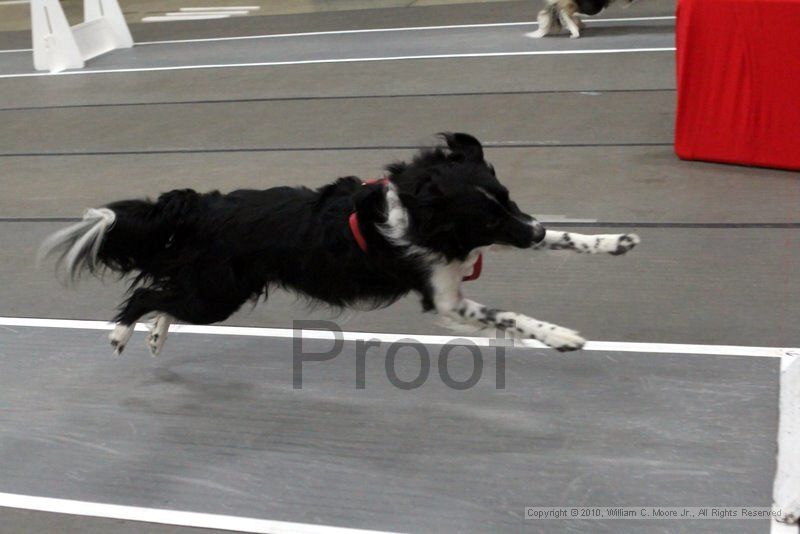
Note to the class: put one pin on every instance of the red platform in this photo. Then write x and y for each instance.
(739, 82)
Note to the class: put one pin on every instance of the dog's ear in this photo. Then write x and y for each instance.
(464, 145)
(430, 223)
(428, 207)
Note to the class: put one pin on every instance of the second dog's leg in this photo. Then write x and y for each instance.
(546, 21)
(449, 302)
(158, 333)
(614, 244)
(567, 17)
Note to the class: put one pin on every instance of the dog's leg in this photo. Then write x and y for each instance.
(567, 17)
(140, 303)
(158, 333)
(449, 302)
(119, 337)
(614, 244)
(546, 21)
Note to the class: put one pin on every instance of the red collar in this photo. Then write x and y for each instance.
(477, 267)
(362, 243)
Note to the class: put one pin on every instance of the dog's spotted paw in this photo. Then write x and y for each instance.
(159, 329)
(625, 243)
(562, 339)
(155, 342)
(119, 338)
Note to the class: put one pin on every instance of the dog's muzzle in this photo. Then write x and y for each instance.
(523, 233)
(538, 232)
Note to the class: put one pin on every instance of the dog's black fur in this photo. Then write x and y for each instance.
(199, 257)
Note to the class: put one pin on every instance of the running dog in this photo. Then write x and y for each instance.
(423, 229)
(558, 13)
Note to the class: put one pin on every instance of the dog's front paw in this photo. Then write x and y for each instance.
(562, 339)
(538, 34)
(625, 243)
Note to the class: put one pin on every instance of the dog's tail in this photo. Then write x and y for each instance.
(80, 243)
(123, 236)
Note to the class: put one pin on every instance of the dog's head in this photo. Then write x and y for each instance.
(455, 202)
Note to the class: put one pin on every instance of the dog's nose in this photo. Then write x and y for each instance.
(538, 232)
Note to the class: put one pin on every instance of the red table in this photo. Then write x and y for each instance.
(739, 82)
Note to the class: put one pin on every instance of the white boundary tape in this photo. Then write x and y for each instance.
(617, 346)
(343, 60)
(786, 490)
(367, 30)
(787, 480)
(379, 30)
(169, 517)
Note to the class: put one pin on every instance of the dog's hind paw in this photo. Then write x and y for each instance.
(562, 339)
(625, 243)
(158, 334)
(538, 34)
(119, 337)
(155, 342)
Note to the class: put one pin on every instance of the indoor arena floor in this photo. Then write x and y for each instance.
(674, 404)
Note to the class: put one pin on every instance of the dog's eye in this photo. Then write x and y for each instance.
(492, 224)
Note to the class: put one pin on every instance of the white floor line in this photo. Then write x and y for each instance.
(165, 18)
(616, 346)
(785, 485)
(169, 517)
(786, 489)
(561, 219)
(379, 30)
(369, 30)
(186, 14)
(342, 60)
(221, 8)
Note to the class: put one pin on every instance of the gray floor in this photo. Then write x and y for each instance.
(217, 427)
(214, 425)
(381, 44)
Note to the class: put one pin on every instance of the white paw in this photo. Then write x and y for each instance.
(538, 34)
(574, 35)
(561, 339)
(155, 342)
(158, 334)
(624, 243)
(119, 337)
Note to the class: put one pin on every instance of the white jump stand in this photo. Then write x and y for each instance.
(57, 46)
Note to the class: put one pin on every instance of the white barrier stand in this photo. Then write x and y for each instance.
(57, 46)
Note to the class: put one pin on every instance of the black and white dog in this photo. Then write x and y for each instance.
(558, 13)
(198, 257)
